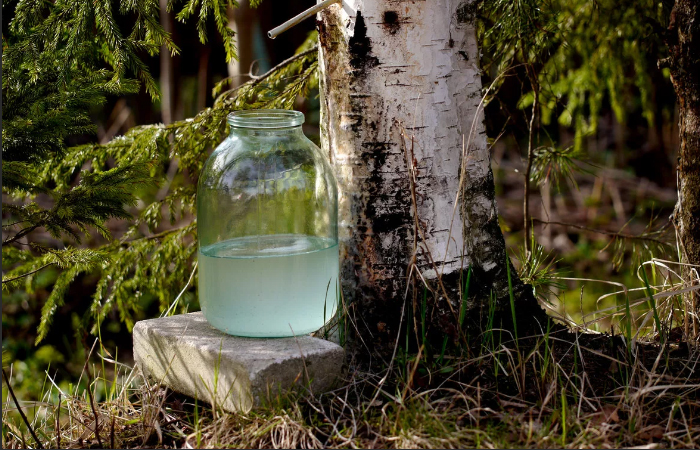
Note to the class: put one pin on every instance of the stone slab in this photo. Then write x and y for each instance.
(188, 355)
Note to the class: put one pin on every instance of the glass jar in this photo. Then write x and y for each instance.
(267, 219)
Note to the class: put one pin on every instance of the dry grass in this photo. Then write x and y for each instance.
(562, 389)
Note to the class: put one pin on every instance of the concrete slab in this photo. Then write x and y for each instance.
(188, 355)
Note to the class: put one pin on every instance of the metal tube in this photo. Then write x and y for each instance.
(273, 33)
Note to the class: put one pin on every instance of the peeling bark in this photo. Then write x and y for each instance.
(684, 45)
(389, 67)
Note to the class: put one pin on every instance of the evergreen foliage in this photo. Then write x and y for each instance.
(577, 57)
(62, 59)
(586, 54)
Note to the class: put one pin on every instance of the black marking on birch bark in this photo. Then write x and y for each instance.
(391, 22)
(361, 47)
(388, 222)
(466, 11)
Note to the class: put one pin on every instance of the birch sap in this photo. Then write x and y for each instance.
(270, 285)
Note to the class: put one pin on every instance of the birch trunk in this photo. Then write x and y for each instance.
(389, 68)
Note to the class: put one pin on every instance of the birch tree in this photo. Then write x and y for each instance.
(402, 123)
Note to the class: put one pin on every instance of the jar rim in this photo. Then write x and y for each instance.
(265, 118)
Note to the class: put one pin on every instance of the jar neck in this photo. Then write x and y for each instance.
(267, 121)
(287, 131)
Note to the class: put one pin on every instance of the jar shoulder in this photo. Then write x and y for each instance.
(248, 155)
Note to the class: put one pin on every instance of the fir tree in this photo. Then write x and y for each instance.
(62, 59)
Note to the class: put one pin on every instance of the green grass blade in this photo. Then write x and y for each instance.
(512, 300)
(652, 304)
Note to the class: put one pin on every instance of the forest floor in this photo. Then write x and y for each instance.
(563, 388)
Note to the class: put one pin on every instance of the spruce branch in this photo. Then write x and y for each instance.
(92, 183)
(10, 280)
(648, 237)
(256, 80)
(20, 234)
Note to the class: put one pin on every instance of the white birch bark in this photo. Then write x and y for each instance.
(388, 66)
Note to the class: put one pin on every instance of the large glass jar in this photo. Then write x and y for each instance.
(267, 214)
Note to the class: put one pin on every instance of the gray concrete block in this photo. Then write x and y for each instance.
(188, 355)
